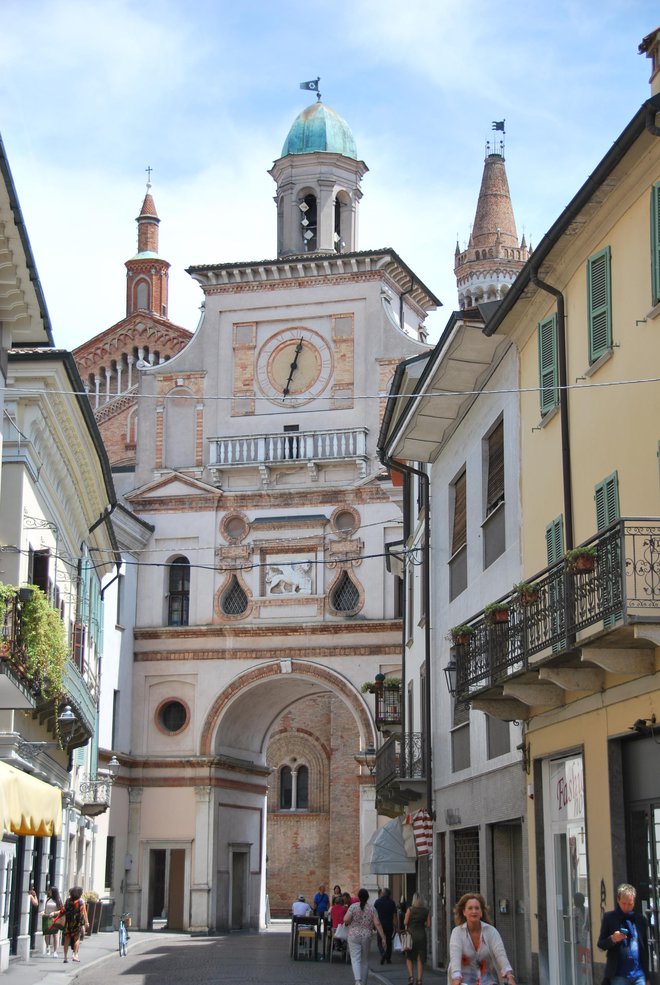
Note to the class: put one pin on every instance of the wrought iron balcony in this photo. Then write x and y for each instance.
(566, 609)
(400, 771)
(388, 707)
(95, 794)
(289, 447)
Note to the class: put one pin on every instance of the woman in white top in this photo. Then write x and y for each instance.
(476, 951)
(51, 907)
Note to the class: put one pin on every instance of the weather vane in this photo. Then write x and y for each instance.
(499, 125)
(148, 170)
(312, 86)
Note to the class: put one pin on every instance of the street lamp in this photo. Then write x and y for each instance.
(367, 758)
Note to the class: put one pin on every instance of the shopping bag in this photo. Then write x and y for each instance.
(341, 933)
(396, 944)
(406, 940)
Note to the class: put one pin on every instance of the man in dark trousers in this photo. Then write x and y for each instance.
(624, 935)
(387, 914)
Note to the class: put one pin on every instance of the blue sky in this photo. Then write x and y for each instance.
(93, 92)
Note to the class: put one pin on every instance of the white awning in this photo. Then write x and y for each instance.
(28, 806)
(393, 853)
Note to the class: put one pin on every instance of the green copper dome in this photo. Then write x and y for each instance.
(319, 128)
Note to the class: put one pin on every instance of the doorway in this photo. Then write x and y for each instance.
(239, 916)
(509, 892)
(167, 868)
(568, 903)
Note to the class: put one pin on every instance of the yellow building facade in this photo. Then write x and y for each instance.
(579, 660)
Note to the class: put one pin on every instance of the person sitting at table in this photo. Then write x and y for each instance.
(321, 902)
(337, 911)
(299, 907)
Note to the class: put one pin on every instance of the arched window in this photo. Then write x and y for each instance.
(302, 789)
(345, 596)
(142, 299)
(308, 223)
(286, 788)
(178, 599)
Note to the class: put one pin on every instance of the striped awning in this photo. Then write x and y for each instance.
(28, 806)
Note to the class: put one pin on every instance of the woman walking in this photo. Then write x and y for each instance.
(476, 951)
(416, 921)
(361, 920)
(52, 907)
(75, 915)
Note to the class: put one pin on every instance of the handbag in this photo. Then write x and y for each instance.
(341, 932)
(406, 940)
(59, 923)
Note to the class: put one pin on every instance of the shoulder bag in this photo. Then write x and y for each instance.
(406, 940)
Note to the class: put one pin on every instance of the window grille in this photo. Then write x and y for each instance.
(346, 596)
(234, 600)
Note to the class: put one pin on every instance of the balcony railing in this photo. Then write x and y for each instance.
(388, 706)
(401, 757)
(298, 446)
(623, 588)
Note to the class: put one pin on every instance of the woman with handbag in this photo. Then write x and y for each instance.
(361, 920)
(52, 907)
(416, 922)
(75, 915)
(476, 951)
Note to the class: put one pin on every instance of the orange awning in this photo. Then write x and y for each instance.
(28, 806)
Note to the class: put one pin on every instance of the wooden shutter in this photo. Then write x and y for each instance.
(548, 365)
(554, 540)
(607, 501)
(459, 535)
(495, 494)
(599, 304)
(655, 243)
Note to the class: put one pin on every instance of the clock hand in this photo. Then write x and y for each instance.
(294, 366)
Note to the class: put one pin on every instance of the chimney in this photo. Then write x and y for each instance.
(650, 47)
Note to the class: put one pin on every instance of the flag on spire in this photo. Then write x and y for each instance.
(498, 125)
(312, 85)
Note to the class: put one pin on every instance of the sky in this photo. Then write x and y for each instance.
(92, 92)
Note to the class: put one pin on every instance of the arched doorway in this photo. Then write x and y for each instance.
(288, 801)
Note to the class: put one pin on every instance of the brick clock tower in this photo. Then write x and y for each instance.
(265, 604)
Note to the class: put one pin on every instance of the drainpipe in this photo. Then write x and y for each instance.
(405, 469)
(567, 480)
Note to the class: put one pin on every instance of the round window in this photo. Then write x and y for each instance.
(172, 716)
(346, 522)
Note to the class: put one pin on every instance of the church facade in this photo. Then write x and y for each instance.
(262, 601)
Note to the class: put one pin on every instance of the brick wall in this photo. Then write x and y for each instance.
(322, 844)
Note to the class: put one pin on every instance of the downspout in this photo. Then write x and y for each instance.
(567, 480)
(411, 470)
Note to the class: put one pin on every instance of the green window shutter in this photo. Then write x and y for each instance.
(655, 243)
(548, 365)
(599, 298)
(554, 540)
(607, 501)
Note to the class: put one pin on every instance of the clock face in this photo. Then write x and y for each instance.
(294, 366)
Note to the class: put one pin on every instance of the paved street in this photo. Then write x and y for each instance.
(235, 959)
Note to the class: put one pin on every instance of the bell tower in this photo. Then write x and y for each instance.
(318, 185)
(494, 256)
(146, 273)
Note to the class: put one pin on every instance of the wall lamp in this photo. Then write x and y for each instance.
(367, 758)
(451, 675)
(644, 726)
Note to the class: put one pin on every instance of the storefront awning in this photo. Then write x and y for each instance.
(391, 851)
(28, 806)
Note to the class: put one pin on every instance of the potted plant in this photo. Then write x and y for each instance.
(461, 635)
(44, 641)
(581, 559)
(94, 906)
(496, 612)
(380, 681)
(527, 592)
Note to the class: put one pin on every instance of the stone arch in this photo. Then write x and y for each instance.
(301, 672)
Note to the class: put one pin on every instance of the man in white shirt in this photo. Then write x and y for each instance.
(300, 908)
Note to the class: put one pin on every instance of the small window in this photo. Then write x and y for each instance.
(607, 501)
(286, 788)
(302, 789)
(346, 596)
(458, 559)
(599, 304)
(498, 735)
(234, 601)
(179, 592)
(142, 302)
(495, 486)
(172, 716)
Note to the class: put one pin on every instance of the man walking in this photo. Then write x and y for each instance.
(624, 935)
(387, 914)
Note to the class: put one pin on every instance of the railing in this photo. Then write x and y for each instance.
(401, 757)
(388, 705)
(304, 446)
(95, 794)
(623, 587)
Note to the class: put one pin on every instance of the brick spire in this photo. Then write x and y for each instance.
(147, 273)
(486, 269)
